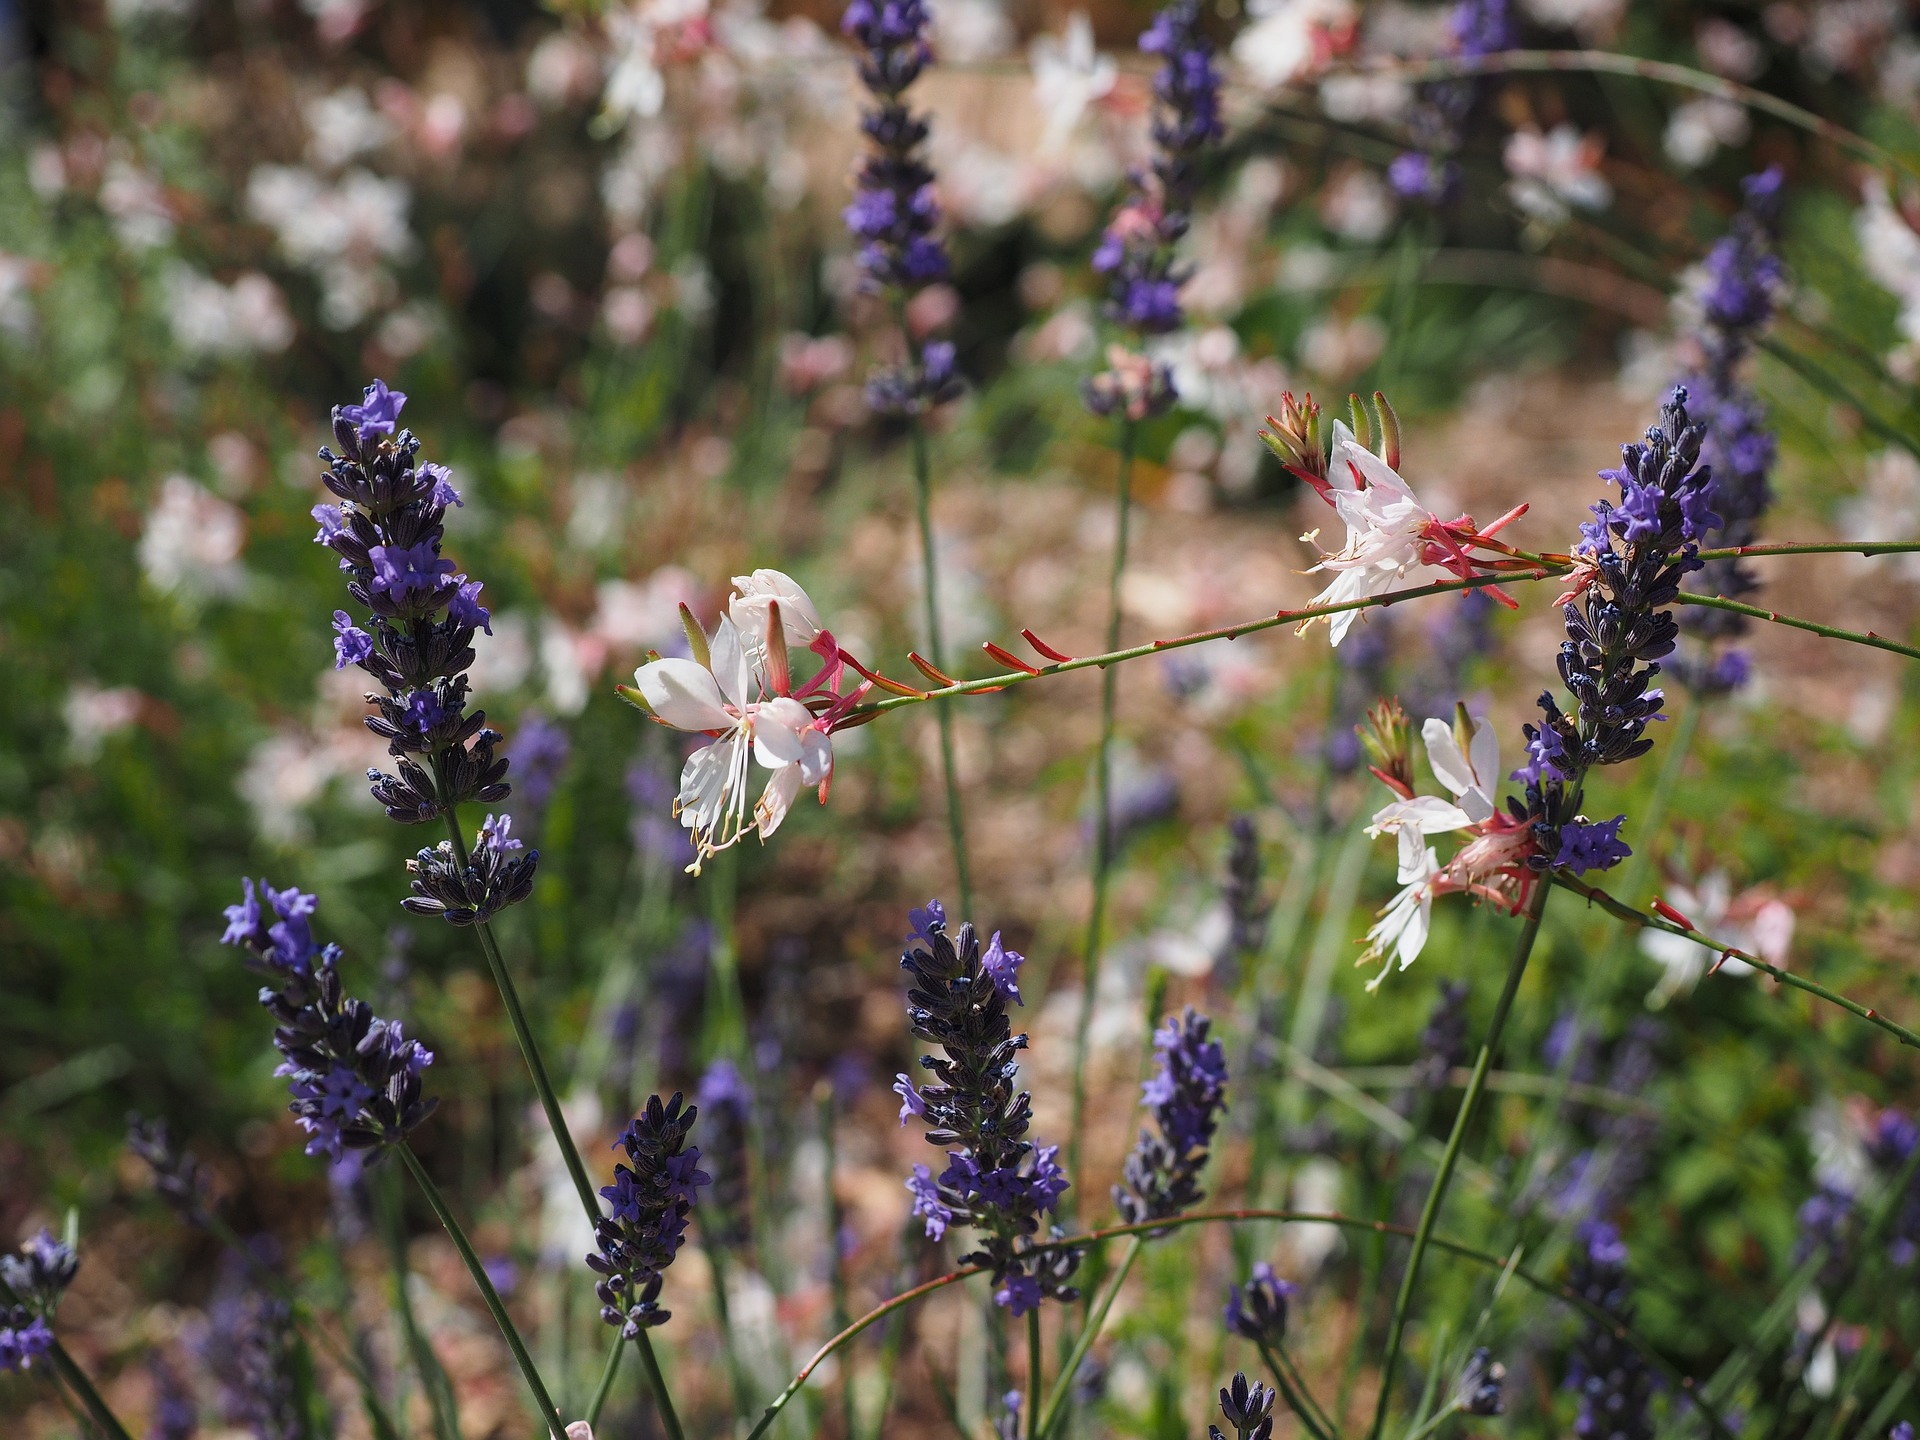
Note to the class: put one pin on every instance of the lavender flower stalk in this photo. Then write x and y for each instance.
(1248, 910)
(388, 530)
(1185, 1096)
(650, 1198)
(1611, 1375)
(1742, 281)
(355, 1078)
(1257, 1310)
(996, 1179)
(36, 1278)
(727, 1103)
(895, 212)
(180, 1179)
(1438, 121)
(1136, 254)
(1248, 1408)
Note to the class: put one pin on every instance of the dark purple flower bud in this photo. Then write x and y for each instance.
(469, 893)
(651, 1197)
(1248, 1408)
(24, 1338)
(1481, 1390)
(727, 1103)
(1257, 1310)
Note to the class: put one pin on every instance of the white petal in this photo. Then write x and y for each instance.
(1423, 814)
(703, 784)
(1450, 767)
(731, 666)
(816, 764)
(798, 617)
(777, 729)
(1485, 753)
(1412, 847)
(682, 694)
(776, 800)
(1413, 936)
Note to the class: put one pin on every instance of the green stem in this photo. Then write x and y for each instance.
(1445, 1412)
(550, 1104)
(930, 569)
(78, 1382)
(1437, 1192)
(1625, 911)
(1831, 632)
(1507, 62)
(1089, 1332)
(518, 1346)
(1294, 1391)
(433, 1378)
(1682, 1384)
(1034, 1359)
(614, 1356)
(1103, 837)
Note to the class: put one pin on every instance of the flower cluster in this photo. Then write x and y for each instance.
(1438, 120)
(1247, 907)
(895, 209)
(1186, 1095)
(1612, 1377)
(469, 890)
(35, 1278)
(739, 689)
(1257, 1310)
(180, 1179)
(387, 530)
(1390, 534)
(1247, 1408)
(727, 1103)
(1482, 1387)
(650, 1198)
(259, 1360)
(1136, 252)
(355, 1078)
(1739, 286)
(996, 1179)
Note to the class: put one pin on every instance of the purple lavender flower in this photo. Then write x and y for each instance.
(727, 1102)
(355, 1079)
(996, 1179)
(894, 212)
(1481, 1390)
(1443, 110)
(1610, 1374)
(256, 1354)
(387, 529)
(24, 1338)
(175, 1416)
(1003, 967)
(650, 1199)
(179, 1179)
(1136, 253)
(1185, 1096)
(1257, 1310)
(1247, 907)
(472, 891)
(539, 754)
(378, 412)
(1743, 278)
(1592, 846)
(1247, 1408)
(31, 1285)
(1890, 1151)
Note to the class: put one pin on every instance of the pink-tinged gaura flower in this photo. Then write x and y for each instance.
(739, 690)
(1390, 534)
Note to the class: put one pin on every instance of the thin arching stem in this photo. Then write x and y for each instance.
(1089, 1332)
(1103, 836)
(1615, 906)
(607, 1375)
(1443, 1177)
(930, 591)
(1682, 1384)
(491, 1296)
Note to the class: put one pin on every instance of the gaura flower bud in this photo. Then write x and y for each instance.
(1388, 737)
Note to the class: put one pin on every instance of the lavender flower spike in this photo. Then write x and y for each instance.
(894, 212)
(37, 1277)
(1247, 1408)
(1611, 1375)
(387, 530)
(1257, 1310)
(1186, 1095)
(727, 1103)
(355, 1078)
(651, 1197)
(995, 1180)
(1136, 254)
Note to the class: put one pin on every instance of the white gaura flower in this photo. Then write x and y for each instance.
(1755, 921)
(738, 693)
(1386, 528)
(1412, 820)
(1069, 74)
(1401, 931)
(1556, 172)
(1472, 775)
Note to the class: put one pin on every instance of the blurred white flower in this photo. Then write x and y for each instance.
(1554, 171)
(1846, 37)
(1890, 250)
(343, 126)
(968, 31)
(1285, 40)
(92, 714)
(627, 313)
(1887, 507)
(644, 37)
(1728, 50)
(644, 616)
(1755, 921)
(569, 677)
(247, 317)
(1591, 20)
(1697, 130)
(1069, 74)
(136, 204)
(16, 280)
(1338, 348)
(1351, 99)
(504, 662)
(562, 70)
(192, 542)
(1357, 205)
(127, 12)
(341, 232)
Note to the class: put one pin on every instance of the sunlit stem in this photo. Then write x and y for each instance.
(1443, 1177)
(1089, 1332)
(1103, 836)
(930, 592)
